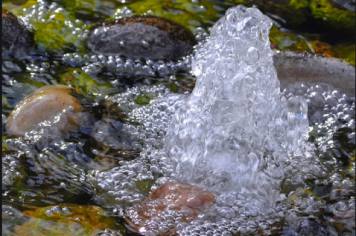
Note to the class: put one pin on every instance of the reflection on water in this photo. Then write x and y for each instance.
(120, 159)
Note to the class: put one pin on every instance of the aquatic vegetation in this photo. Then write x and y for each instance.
(186, 13)
(56, 30)
(40, 179)
(85, 84)
(346, 52)
(63, 219)
(289, 40)
(91, 218)
(331, 17)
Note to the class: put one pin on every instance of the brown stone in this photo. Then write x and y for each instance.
(186, 199)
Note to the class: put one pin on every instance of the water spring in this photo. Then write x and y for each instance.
(236, 131)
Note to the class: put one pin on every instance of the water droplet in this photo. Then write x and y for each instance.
(145, 44)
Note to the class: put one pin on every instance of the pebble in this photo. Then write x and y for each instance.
(50, 106)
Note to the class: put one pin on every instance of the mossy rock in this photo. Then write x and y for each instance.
(346, 51)
(67, 219)
(333, 19)
(185, 13)
(56, 30)
(85, 84)
(294, 12)
(288, 40)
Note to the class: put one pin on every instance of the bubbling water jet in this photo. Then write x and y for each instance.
(236, 132)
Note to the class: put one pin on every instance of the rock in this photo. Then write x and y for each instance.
(141, 37)
(310, 226)
(67, 219)
(42, 179)
(17, 40)
(178, 195)
(340, 194)
(185, 199)
(51, 107)
(294, 67)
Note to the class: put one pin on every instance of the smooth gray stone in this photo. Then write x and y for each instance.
(301, 67)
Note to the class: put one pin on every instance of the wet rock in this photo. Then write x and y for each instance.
(184, 199)
(10, 218)
(336, 21)
(40, 179)
(341, 214)
(141, 37)
(310, 226)
(110, 158)
(17, 40)
(341, 194)
(66, 219)
(293, 67)
(51, 107)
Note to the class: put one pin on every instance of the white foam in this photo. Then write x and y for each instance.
(236, 132)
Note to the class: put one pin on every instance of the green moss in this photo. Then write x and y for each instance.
(4, 146)
(40, 227)
(5, 103)
(53, 31)
(17, 10)
(294, 13)
(144, 186)
(86, 85)
(334, 19)
(143, 100)
(67, 219)
(55, 36)
(298, 4)
(346, 52)
(287, 40)
(183, 12)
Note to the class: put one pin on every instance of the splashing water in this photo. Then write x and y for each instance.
(236, 132)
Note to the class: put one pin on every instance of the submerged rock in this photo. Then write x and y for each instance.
(41, 179)
(341, 194)
(142, 37)
(310, 226)
(66, 219)
(16, 38)
(51, 107)
(170, 198)
(293, 67)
